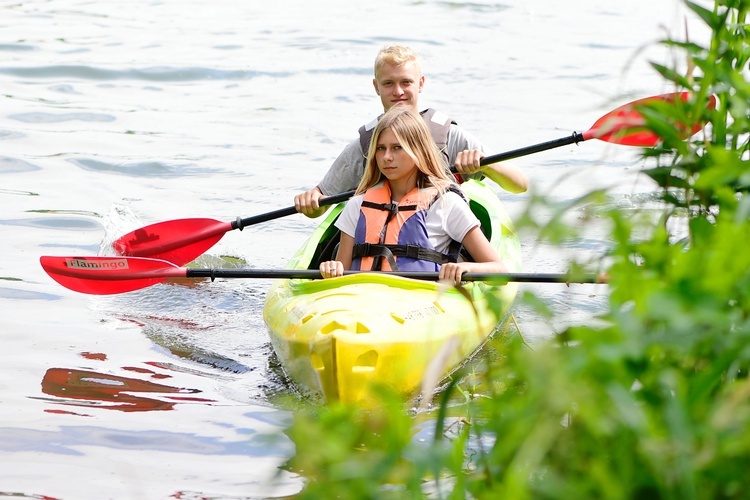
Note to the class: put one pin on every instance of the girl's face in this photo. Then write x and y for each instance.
(393, 162)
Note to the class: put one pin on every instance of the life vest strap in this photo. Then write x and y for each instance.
(379, 252)
(388, 207)
(390, 251)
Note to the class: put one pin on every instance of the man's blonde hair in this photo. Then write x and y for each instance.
(396, 55)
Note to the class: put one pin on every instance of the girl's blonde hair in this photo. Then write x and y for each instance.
(414, 137)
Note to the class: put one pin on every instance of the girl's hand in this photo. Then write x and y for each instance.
(331, 269)
(452, 271)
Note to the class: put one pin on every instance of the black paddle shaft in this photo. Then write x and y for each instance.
(419, 275)
(544, 146)
(283, 212)
(330, 200)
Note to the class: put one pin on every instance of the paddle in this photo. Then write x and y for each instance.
(181, 241)
(624, 125)
(110, 275)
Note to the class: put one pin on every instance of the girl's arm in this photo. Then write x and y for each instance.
(334, 268)
(346, 248)
(486, 258)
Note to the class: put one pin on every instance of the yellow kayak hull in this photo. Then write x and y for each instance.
(338, 338)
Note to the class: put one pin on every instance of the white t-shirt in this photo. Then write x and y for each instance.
(448, 219)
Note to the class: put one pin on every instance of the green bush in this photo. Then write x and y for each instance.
(653, 401)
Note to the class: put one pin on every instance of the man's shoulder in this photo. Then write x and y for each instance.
(353, 147)
(438, 117)
(369, 125)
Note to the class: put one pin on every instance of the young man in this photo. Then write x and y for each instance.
(399, 81)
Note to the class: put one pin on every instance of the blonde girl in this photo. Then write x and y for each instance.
(406, 198)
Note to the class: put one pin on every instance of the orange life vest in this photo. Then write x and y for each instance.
(388, 232)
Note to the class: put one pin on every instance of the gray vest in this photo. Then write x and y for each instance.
(437, 122)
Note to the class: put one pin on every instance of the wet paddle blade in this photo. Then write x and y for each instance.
(177, 241)
(108, 275)
(626, 125)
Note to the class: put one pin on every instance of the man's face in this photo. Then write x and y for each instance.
(399, 85)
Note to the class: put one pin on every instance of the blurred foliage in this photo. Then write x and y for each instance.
(653, 401)
(708, 176)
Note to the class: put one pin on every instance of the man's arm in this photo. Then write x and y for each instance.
(345, 172)
(344, 175)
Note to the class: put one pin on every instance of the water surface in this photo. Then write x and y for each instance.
(120, 114)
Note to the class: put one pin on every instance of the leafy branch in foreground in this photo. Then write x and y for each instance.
(709, 175)
(651, 402)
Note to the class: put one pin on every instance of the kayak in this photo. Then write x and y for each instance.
(339, 339)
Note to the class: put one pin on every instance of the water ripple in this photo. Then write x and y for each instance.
(142, 169)
(14, 47)
(16, 294)
(14, 165)
(156, 73)
(10, 134)
(64, 223)
(38, 117)
(476, 6)
(67, 439)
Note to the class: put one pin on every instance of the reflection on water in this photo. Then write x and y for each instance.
(216, 327)
(87, 388)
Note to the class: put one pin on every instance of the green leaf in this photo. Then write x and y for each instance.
(713, 21)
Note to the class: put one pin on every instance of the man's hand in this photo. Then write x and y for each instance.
(308, 203)
(468, 161)
(506, 176)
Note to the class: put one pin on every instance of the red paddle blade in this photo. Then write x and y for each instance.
(108, 275)
(627, 126)
(177, 241)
